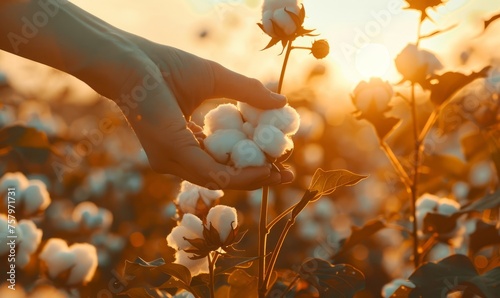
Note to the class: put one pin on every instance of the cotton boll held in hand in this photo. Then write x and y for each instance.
(248, 129)
(272, 140)
(220, 143)
(250, 113)
(246, 153)
(225, 116)
(285, 119)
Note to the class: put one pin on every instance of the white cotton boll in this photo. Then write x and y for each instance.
(15, 180)
(55, 254)
(184, 294)
(427, 202)
(246, 153)
(35, 197)
(285, 119)
(223, 219)
(220, 143)
(284, 21)
(91, 216)
(97, 182)
(225, 116)
(272, 140)
(447, 206)
(480, 174)
(86, 263)
(248, 129)
(250, 113)
(267, 16)
(28, 244)
(276, 4)
(389, 289)
(188, 200)
(208, 195)
(196, 267)
(190, 227)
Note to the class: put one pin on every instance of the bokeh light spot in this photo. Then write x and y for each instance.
(137, 239)
(372, 60)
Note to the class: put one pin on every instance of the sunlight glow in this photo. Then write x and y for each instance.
(372, 60)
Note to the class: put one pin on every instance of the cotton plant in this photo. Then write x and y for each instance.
(28, 238)
(31, 195)
(198, 243)
(72, 265)
(91, 217)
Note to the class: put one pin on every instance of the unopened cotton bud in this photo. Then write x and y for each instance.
(190, 227)
(247, 154)
(220, 143)
(285, 119)
(250, 113)
(447, 206)
(225, 116)
(223, 219)
(320, 49)
(271, 140)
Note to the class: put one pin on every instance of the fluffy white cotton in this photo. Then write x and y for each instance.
(250, 113)
(246, 153)
(225, 116)
(412, 59)
(90, 216)
(86, 265)
(15, 180)
(184, 294)
(285, 119)
(274, 11)
(272, 140)
(196, 267)
(80, 259)
(248, 129)
(29, 237)
(427, 202)
(35, 197)
(190, 194)
(447, 206)
(190, 227)
(375, 93)
(223, 219)
(220, 143)
(391, 287)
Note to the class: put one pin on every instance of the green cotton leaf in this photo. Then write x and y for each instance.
(489, 201)
(359, 235)
(326, 182)
(452, 273)
(487, 284)
(484, 235)
(443, 87)
(488, 22)
(332, 281)
(140, 267)
(178, 271)
(29, 142)
(137, 293)
(242, 285)
(228, 263)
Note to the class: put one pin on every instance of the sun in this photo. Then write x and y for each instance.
(372, 60)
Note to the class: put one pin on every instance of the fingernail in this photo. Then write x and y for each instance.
(279, 97)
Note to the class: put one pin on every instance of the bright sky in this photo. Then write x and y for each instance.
(364, 35)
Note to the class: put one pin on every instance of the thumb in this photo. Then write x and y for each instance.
(233, 85)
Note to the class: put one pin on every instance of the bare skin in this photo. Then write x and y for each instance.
(156, 86)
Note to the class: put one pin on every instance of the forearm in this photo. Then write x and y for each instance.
(61, 35)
